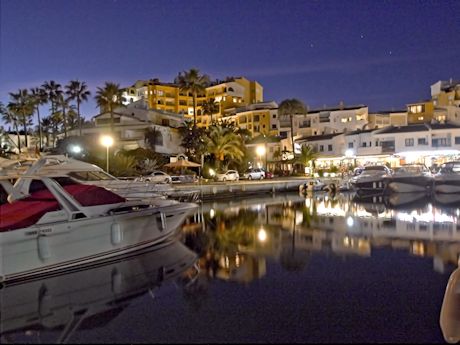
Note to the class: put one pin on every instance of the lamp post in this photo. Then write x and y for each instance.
(107, 141)
(260, 150)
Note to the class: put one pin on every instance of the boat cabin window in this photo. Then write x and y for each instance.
(91, 175)
(65, 181)
(450, 168)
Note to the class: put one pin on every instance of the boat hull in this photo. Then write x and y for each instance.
(47, 248)
(447, 184)
(410, 184)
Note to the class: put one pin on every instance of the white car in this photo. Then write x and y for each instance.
(254, 174)
(157, 177)
(229, 175)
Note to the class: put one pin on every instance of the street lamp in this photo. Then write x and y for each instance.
(260, 150)
(107, 141)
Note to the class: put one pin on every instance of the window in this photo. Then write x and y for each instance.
(273, 126)
(457, 140)
(440, 142)
(329, 147)
(350, 145)
(321, 148)
(416, 109)
(422, 141)
(364, 144)
(274, 116)
(409, 142)
(420, 118)
(164, 122)
(256, 118)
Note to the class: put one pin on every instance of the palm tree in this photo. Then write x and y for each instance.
(307, 155)
(224, 142)
(193, 82)
(22, 105)
(108, 98)
(39, 98)
(47, 125)
(291, 107)
(56, 121)
(64, 103)
(210, 107)
(9, 117)
(78, 91)
(53, 91)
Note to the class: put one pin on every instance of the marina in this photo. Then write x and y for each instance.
(317, 263)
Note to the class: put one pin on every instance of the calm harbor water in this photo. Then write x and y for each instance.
(284, 268)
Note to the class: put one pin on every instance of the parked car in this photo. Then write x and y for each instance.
(268, 174)
(229, 175)
(156, 176)
(254, 174)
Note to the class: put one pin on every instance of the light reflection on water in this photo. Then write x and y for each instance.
(284, 268)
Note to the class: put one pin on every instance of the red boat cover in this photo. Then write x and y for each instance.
(28, 211)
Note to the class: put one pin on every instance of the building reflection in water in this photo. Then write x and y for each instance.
(234, 239)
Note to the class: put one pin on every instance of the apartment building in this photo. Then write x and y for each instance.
(229, 94)
(387, 118)
(131, 123)
(446, 93)
(259, 118)
(420, 112)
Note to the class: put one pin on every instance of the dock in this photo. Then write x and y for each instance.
(225, 190)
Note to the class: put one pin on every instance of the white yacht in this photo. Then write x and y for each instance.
(410, 178)
(371, 179)
(447, 180)
(57, 223)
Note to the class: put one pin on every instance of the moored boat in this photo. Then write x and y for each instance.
(59, 223)
(371, 180)
(447, 180)
(410, 178)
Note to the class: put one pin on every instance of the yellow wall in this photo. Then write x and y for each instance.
(168, 97)
(420, 112)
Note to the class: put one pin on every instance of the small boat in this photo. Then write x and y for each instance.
(410, 178)
(57, 223)
(447, 180)
(371, 180)
(84, 299)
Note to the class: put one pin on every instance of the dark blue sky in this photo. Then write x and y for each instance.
(380, 53)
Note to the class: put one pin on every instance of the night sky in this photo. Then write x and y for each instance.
(380, 53)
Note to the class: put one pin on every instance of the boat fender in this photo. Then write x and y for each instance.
(116, 233)
(44, 251)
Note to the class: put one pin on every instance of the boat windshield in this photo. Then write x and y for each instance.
(375, 168)
(91, 176)
(414, 169)
(449, 168)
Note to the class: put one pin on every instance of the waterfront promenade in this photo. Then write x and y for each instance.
(224, 190)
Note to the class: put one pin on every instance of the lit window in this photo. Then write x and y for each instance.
(420, 118)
